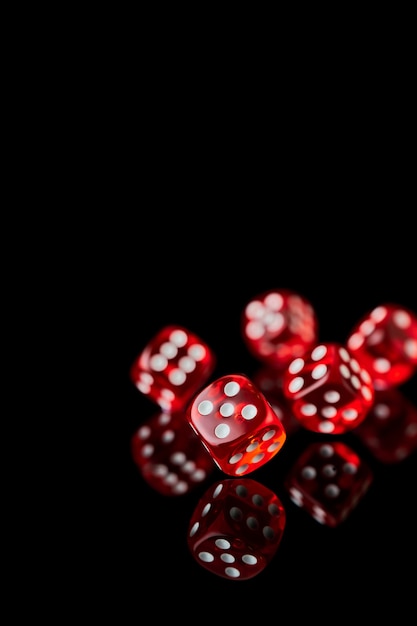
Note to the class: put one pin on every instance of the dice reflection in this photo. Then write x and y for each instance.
(169, 455)
(327, 481)
(236, 528)
(390, 428)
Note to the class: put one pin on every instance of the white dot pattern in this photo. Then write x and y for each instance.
(386, 342)
(222, 431)
(320, 401)
(227, 409)
(231, 389)
(171, 366)
(223, 418)
(260, 514)
(279, 325)
(318, 353)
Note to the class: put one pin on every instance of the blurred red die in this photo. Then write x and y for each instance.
(278, 325)
(172, 367)
(385, 343)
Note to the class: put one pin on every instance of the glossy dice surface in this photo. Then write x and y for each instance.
(236, 528)
(169, 455)
(328, 390)
(385, 343)
(279, 325)
(172, 367)
(236, 424)
(390, 428)
(328, 480)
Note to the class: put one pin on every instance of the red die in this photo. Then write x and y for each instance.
(236, 528)
(390, 428)
(236, 424)
(279, 325)
(385, 343)
(169, 454)
(328, 480)
(328, 390)
(173, 367)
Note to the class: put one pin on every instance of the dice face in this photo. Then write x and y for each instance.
(169, 455)
(174, 365)
(236, 528)
(385, 343)
(390, 428)
(277, 326)
(328, 480)
(329, 392)
(236, 424)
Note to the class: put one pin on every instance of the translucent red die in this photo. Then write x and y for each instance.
(329, 391)
(279, 325)
(169, 455)
(328, 480)
(385, 342)
(236, 528)
(236, 424)
(390, 428)
(172, 367)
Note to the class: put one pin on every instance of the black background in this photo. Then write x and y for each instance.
(174, 203)
(197, 265)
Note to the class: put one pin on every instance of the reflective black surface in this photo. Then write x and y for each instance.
(367, 560)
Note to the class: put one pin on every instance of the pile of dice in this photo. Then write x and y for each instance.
(237, 424)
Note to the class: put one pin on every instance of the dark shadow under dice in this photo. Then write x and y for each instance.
(236, 528)
(328, 480)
